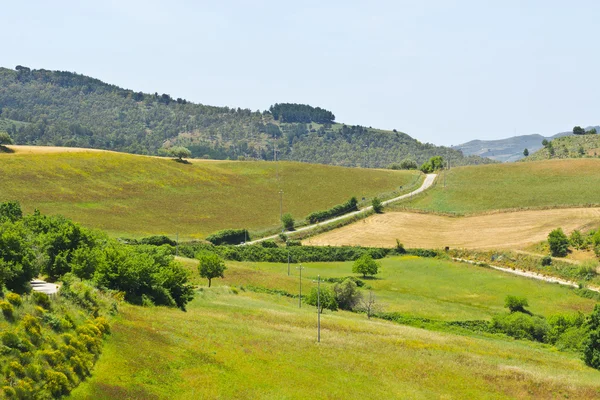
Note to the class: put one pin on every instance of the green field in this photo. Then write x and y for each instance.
(233, 343)
(562, 183)
(137, 196)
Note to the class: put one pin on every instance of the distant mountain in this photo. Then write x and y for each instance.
(41, 107)
(506, 150)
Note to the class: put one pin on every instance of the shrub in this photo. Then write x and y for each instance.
(546, 260)
(57, 383)
(591, 345)
(229, 236)
(559, 243)
(340, 209)
(325, 298)
(268, 244)
(7, 310)
(399, 249)
(516, 304)
(14, 299)
(377, 205)
(158, 240)
(346, 294)
(288, 221)
(41, 299)
(576, 239)
(521, 326)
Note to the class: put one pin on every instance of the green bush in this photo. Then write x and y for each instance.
(546, 260)
(521, 326)
(158, 240)
(7, 310)
(365, 265)
(377, 205)
(559, 243)
(287, 221)
(591, 345)
(229, 236)
(336, 211)
(268, 244)
(516, 304)
(325, 298)
(346, 294)
(41, 299)
(14, 299)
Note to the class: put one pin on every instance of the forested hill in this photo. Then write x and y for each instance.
(43, 107)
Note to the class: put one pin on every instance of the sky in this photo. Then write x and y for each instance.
(445, 72)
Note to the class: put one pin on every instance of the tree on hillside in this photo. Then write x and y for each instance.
(325, 298)
(210, 266)
(288, 221)
(578, 131)
(592, 131)
(180, 152)
(377, 205)
(347, 294)
(591, 346)
(545, 142)
(366, 265)
(5, 139)
(516, 304)
(559, 243)
(526, 152)
(433, 164)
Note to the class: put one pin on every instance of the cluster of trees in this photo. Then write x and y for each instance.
(336, 211)
(42, 107)
(433, 164)
(291, 112)
(55, 246)
(577, 130)
(559, 242)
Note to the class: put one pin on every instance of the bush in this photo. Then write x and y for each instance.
(325, 298)
(7, 310)
(559, 243)
(546, 260)
(268, 244)
(229, 236)
(288, 221)
(158, 240)
(14, 299)
(377, 205)
(41, 299)
(341, 209)
(516, 304)
(346, 294)
(521, 326)
(576, 239)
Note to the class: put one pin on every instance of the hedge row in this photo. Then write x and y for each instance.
(229, 236)
(340, 209)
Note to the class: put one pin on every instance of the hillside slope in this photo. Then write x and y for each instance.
(506, 150)
(138, 195)
(576, 146)
(67, 109)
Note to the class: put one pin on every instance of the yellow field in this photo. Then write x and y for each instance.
(508, 230)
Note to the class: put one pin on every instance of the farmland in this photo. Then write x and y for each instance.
(233, 343)
(484, 188)
(137, 196)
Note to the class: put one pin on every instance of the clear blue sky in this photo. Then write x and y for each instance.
(444, 72)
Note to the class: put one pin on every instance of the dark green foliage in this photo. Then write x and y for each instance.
(365, 265)
(433, 164)
(41, 299)
(7, 310)
(408, 163)
(258, 253)
(325, 299)
(18, 257)
(377, 205)
(526, 152)
(229, 236)
(559, 243)
(545, 142)
(179, 152)
(268, 244)
(346, 294)
(516, 304)
(357, 282)
(5, 139)
(591, 345)
(546, 260)
(10, 211)
(287, 221)
(336, 211)
(158, 240)
(521, 326)
(290, 112)
(578, 131)
(210, 266)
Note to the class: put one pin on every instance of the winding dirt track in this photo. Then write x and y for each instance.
(508, 230)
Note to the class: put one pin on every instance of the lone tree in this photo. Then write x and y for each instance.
(591, 345)
(347, 294)
(288, 221)
(5, 139)
(545, 142)
(366, 265)
(326, 299)
(578, 131)
(377, 205)
(559, 243)
(211, 266)
(180, 152)
(526, 152)
(516, 304)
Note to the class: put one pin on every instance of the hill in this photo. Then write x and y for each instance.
(576, 146)
(234, 342)
(66, 109)
(139, 195)
(506, 150)
(484, 188)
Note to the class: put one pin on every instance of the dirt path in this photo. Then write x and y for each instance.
(514, 230)
(429, 179)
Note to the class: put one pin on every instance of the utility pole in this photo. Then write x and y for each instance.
(300, 296)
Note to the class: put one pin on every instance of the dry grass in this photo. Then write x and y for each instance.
(508, 230)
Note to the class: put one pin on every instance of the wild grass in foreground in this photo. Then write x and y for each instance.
(553, 183)
(260, 346)
(139, 196)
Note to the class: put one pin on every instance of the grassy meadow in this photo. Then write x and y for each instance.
(138, 196)
(473, 189)
(260, 346)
